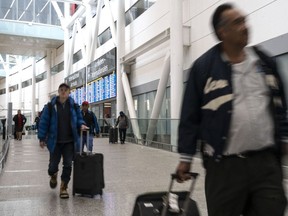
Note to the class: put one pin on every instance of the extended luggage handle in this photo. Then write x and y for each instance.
(81, 140)
(186, 202)
(192, 175)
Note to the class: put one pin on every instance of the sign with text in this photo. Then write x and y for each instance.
(102, 66)
(76, 79)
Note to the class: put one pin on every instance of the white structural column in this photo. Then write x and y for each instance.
(49, 60)
(33, 98)
(67, 66)
(120, 53)
(88, 32)
(176, 45)
(7, 81)
(130, 104)
(94, 43)
(158, 98)
(70, 43)
(19, 63)
(112, 24)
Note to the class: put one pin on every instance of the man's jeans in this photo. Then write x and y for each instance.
(122, 133)
(90, 144)
(66, 150)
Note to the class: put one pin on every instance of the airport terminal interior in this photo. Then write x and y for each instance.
(119, 55)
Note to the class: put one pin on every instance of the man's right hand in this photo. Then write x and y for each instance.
(182, 169)
(42, 144)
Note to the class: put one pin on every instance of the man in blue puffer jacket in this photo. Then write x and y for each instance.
(60, 122)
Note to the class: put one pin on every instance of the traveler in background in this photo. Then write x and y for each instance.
(123, 123)
(234, 103)
(108, 122)
(91, 122)
(37, 119)
(60, 122)
(20, 121)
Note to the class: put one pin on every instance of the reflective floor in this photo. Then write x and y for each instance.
(130, 170)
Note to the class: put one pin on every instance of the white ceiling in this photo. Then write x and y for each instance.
(26, 46)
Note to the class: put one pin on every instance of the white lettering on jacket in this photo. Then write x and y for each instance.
(215, 84)
(217, 102)
(272, 81)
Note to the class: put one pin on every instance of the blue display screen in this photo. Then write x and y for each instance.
(100, 89)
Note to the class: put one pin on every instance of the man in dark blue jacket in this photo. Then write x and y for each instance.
(60, 122)
(234, 103)
(91, 122)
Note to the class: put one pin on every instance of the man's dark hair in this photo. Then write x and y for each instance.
(216, 18)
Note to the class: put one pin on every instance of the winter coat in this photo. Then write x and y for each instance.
(48, 130)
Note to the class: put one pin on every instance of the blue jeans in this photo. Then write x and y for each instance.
(66, 150)
(90, 144)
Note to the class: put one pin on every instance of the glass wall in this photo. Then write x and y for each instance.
(37, 11)
(143, 105)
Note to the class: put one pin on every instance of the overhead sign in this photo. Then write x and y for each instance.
(102, 66)
(76, 79)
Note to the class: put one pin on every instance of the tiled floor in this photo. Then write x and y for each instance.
(129, 171)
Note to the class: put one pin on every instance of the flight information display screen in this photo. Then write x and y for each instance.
(78, 94)
(102, 88)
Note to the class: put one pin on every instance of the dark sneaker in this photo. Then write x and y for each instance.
(53, 181)
(63, 191)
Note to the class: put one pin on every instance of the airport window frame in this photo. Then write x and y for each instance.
(141, 5)
(41, 77)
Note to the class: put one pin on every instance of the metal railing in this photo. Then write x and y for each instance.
(161, 135)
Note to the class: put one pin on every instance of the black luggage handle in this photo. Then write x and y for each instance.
(192, 175)
(186, 202)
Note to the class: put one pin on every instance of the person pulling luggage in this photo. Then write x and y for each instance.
(91, 122)
(123, 123)
(60, 122)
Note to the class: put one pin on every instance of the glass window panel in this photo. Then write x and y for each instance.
(57, 68)
(77, 56)
(137, 9)
(13, 14)
(2, 91)
(28, 12)
(41, 77)
(39, 5)
(13, 88)
(54, 17)
(26, 83)
(44, 15)
(21, 7)
(104, 36)
(282, 62)
(4, 7)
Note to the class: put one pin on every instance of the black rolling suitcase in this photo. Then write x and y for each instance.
(157, 204)
(113, 135)
(88, 172)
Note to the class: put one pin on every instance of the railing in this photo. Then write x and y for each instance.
(4, 154)
(156, 133)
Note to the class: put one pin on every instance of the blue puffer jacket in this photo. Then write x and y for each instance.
(48, 124)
